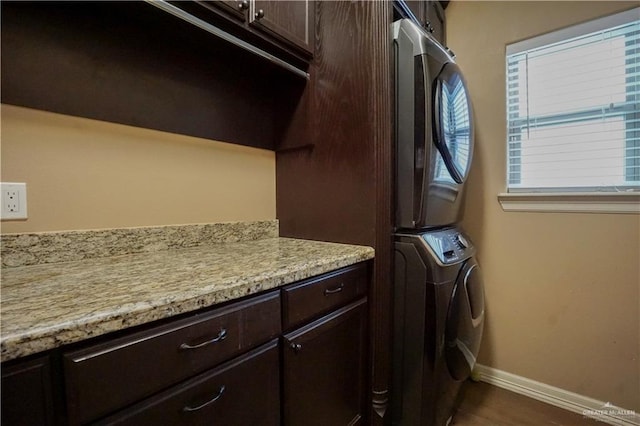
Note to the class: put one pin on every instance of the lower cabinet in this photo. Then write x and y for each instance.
(324, 369)
(295, 356)
(27, 393)
(105, 377)
(245, 391)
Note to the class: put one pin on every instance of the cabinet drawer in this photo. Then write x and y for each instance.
(310, 298)
(245, 391)
(105, 377)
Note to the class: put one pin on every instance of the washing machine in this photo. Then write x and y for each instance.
(438, 323)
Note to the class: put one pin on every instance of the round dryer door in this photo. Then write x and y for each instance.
(465, 321)
(453, 130)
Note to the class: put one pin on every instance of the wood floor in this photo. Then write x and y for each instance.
(487, 405)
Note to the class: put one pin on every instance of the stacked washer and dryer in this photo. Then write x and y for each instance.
(438, 291)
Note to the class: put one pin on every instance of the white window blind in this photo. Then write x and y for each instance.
(573, 120)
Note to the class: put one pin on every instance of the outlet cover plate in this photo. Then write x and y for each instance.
(14, 201)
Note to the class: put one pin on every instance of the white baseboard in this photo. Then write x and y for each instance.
(588, 407)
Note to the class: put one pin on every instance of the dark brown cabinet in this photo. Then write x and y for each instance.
(244, 391)
(418, 8)
(324, 351)
(309, 299)
(234, 8)
(337, 185)
(285, 22)
(290, 21)
(430, 13)
(27, 393)
(175, 77)
(105, 377)
(436, 21)
(230, 363)
(324, 369)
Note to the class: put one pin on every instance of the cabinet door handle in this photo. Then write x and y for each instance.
(334, 290)
(297, 347)
(188, 409)
(221, 336)
(243, 5)
(260, 14)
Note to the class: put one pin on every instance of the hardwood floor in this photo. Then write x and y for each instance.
(487, 405)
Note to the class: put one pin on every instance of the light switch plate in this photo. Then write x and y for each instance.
(14, 201)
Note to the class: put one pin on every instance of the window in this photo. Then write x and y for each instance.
(573, 120)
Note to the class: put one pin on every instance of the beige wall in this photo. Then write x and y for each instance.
(561, 288)
(88, 174)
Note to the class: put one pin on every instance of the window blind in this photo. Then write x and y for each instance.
(456, 128)
(573, 121)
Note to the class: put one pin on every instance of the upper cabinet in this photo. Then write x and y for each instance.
(288, 24)
(235, 8)
(291, 21)
(133, 63)
(435, 21)
(430, 13)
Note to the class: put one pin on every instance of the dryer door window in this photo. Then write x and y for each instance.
(453, 130)
(465, 322)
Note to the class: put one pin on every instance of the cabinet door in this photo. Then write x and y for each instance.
(436, 21)
(324, 369)
(430, 13)
(26, 393)
(419, 9)
(289, 21)
(235, 8)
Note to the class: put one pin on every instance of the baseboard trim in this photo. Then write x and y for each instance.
(588, 407)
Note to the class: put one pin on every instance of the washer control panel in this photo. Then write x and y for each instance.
(448, 245)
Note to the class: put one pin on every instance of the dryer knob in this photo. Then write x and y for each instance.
(463, 241)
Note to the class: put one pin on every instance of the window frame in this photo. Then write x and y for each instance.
(621, 199)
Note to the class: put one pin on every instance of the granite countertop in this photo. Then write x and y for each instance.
(45, 306)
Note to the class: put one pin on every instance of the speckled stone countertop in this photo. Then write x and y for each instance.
(48, 305)
(66, 246)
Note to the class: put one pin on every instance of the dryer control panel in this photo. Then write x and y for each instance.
(448, 245)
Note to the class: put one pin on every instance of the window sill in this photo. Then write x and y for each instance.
(572, 202)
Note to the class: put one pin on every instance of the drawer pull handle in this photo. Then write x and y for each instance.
(221, 336)
(211, 401)
(334, 290)
(297, 347)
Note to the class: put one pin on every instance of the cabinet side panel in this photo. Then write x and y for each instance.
(328, 192)
(339, 186)
(381, 289)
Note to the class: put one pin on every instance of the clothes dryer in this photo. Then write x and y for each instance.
(434, 130)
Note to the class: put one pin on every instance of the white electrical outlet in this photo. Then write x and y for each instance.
(14, 200)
